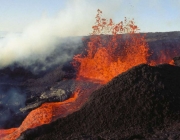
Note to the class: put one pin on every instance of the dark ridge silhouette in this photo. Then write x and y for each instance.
(138, 104)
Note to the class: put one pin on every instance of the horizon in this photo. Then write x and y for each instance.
(150, 16)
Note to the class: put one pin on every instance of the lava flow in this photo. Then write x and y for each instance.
(112, 49)
(46, 113)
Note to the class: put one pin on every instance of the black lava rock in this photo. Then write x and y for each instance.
(135, 105)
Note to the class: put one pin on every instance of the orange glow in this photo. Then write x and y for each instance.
(112, 49)
(165, 56)
(171, 62)
(111, 53)
(4, 132)
(46, 113)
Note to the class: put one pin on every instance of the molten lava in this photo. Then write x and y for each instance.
(46, 113)
(112, 49)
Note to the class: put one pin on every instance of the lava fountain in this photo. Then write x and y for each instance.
(111, 49)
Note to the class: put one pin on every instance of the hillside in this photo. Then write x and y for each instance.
(141, 103)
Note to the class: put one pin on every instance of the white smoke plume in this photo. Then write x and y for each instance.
(41, 38)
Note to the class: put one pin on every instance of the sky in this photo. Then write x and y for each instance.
(149, 15)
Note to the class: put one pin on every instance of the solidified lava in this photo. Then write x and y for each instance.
(141, 103)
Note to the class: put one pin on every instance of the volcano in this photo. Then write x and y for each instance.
(139, 103)
(113, 85)
(51, 86)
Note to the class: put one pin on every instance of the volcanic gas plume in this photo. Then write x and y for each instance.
(111, 50)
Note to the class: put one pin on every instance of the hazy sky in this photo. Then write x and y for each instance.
(150, 15)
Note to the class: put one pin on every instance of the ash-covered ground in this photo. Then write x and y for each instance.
(130, 106)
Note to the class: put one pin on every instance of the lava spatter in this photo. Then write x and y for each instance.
(112, 49)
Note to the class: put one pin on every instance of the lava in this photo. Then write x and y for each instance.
(115, 48)
(112, 49)
(46, 113)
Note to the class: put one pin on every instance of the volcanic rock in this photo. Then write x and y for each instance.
(28, 90)
(142, 103)
(16, 73)
(59, 92)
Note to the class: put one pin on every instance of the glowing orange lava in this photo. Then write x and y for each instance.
(112, 49)
(46, 113)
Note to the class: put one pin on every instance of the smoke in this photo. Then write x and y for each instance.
(11, 100)
(42, 38)
(36, 43)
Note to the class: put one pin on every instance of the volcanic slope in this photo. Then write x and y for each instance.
(137, 104)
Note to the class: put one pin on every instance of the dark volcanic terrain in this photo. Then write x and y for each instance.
(141, 103)
(21, 91)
